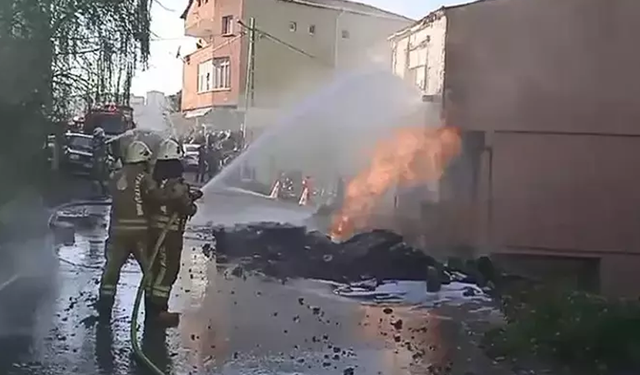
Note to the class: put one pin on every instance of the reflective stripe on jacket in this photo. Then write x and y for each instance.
(130, 188)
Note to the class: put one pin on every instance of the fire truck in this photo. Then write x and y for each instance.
(113, 119)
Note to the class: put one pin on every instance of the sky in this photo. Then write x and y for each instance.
(165, 70)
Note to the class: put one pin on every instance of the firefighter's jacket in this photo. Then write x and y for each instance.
(175, 199)
(133, 191)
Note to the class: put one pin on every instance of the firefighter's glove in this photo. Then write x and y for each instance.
(195, 194)
(106, 248)
(192, 210)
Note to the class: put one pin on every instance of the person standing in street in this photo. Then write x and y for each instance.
(213, 161)
(202, 163)
(178, 203)
(99, 167)
(132, 188)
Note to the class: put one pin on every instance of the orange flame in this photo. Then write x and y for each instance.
(412, 155)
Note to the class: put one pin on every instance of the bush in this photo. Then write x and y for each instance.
(572, 328)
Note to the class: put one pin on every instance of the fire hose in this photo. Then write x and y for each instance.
(136, 305)
(137, 350)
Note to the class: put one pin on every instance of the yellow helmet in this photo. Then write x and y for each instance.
(137, 152)
(170, 149)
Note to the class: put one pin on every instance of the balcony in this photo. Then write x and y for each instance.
(199, 20)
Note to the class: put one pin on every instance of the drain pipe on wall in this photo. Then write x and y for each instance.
(336, 44)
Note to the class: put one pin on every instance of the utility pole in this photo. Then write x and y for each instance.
(249, 94)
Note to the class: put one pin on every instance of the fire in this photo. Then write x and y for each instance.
(412, 155)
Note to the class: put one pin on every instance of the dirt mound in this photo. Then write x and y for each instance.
(285, 251)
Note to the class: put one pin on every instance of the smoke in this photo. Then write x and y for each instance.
(327, 134)
(27, 261)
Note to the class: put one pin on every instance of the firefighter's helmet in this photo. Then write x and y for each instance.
(137, 152)
(170, 149)
(98, 132)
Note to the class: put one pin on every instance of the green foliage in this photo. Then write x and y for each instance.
(56, 58)
(97, 46)
(572, 328)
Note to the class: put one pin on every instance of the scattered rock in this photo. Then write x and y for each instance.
(433, 280)
(469, 292)
(397, 324)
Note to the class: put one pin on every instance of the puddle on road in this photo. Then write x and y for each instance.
(232, 325)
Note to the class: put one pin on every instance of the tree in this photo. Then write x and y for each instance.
(175, 101)
(58, 56)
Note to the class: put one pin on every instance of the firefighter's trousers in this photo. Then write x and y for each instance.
(121, 244)
(165, 269)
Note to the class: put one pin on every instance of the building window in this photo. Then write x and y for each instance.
(293, 27)
(214, 75)
(227, 25)
(312, 29)
(205, 70)
(221, 73)
(345, 34)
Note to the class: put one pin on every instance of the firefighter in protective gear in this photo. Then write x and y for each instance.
(132, 188)
(99, 167)
(177, 199)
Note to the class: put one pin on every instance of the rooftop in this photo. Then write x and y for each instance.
(429, 18)
(346, 5)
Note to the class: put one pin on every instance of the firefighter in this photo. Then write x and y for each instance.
(99, 167)
(177, 200)
(132, 188)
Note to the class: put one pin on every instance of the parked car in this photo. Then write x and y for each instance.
(191, 156)
(77, 153)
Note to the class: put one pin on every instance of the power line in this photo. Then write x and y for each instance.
(185, 38)
(288, 45)
(164, 7)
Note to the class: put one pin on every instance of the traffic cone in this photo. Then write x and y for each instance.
(304, 197)
(275, 191)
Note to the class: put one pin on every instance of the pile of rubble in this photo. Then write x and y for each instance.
(285, 251)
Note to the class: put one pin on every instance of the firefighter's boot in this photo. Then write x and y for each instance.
(104, 306)
(157, 314)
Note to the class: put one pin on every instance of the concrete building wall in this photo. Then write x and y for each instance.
(545, 65)
(553, 85)
(282, 76)
(191, 98)
(419, 53)
(204, 19)
(334, 37)
(331, 34)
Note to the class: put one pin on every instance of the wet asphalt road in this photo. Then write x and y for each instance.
(230, 325)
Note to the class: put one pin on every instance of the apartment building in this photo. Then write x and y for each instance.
(544, 92)
(299, 44)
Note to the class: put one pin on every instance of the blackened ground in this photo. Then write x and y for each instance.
(286, 251)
